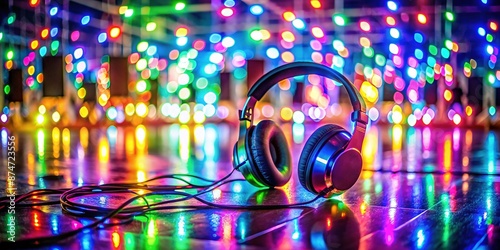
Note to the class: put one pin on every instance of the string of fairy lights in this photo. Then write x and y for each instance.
(406, 58)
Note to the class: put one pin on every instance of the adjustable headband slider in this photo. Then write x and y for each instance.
(247, 112)
(359, 116)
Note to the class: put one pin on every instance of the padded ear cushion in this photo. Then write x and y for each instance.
(269, 149)
(304, 169)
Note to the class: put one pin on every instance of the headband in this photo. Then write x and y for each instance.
(259, 89)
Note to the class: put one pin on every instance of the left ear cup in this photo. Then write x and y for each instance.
(314, 144)
(270, 153)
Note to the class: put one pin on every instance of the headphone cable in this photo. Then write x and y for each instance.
(126, 214)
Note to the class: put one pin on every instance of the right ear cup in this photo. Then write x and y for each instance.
(315, 141)
(270, 154)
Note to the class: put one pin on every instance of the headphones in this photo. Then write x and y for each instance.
(330, 162)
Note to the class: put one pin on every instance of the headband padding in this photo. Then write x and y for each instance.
(270, 152)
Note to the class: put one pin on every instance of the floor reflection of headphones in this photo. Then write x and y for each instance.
(330, 162)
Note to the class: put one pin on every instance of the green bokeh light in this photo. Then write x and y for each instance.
(180, 6)
(433, 50)
(10, 55)
(11, 18)
(339, 19)
(489, 38)
(449, 16)
(129, 13)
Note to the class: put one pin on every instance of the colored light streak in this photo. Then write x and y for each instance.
(413, 67)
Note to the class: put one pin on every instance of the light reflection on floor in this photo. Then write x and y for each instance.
(421, 188)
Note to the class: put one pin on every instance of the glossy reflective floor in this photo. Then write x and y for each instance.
(421, 188)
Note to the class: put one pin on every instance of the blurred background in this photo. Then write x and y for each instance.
(104, 91)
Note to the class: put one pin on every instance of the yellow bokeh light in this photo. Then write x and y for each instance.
(265, 34)
(317, 32)
(369, 92)
(42, 109)
(397, 114)
(82, 93)
(56, 116)
(31, 70)
(103, 99)
(287, 56)
(447, 95)
(84, 112)
(129, 109)
(316, 4)
(286, 113)
(122, 9)
(288, 16)
(365, 42)
(288, 36)
(34, 44)
(40, 119)
(468, 110)
(181, 32)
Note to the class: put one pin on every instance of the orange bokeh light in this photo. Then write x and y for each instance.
(115, 31)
